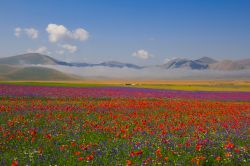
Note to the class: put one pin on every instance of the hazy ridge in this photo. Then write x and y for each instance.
(34, 66)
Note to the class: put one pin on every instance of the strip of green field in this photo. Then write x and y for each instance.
(244, 88)
(188, 86)
(64, 84)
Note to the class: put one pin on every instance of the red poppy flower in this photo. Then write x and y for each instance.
(14, 163)
(89, 158)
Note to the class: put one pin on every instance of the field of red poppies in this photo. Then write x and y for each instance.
(42, 125)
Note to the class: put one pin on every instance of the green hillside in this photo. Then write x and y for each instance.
(8, 72)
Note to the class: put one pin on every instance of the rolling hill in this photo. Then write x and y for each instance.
(30, 58)
(10, 72)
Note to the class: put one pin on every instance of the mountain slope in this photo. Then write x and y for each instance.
(36, 58)
(231, 65)
(5, 69)
(30, 58)
(184, 64)
(206, 60)
(32, 73)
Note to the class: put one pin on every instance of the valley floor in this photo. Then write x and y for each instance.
(112, 123)
(189, 85)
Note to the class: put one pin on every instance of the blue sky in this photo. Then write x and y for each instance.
(138, 31)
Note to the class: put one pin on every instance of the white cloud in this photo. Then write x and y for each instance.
(80, 34)
(69, 48)
(30, 32)
(60, 32)
(56, 32)
(17, 32)
(41, 50)
(142, 54)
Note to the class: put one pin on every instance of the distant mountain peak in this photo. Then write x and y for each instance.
(206, 60)
(28, 59)
(183, 63)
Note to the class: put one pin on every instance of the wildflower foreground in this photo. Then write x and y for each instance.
(122, 126)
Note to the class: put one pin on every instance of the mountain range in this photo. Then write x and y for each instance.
(178, 63)
(35, 66)
(39, 59)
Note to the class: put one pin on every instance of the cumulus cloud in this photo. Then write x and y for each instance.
(41, 50)
(69, 48)
(60, 32)
(30, 32)
(56, 32)
(142, 54)
(80, 34)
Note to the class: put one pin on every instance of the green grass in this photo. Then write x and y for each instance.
(195, 87)
(224, 86)
(58, 84)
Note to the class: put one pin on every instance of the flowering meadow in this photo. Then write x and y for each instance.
(42, 125)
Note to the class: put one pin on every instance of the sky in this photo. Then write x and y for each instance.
(137, 31)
